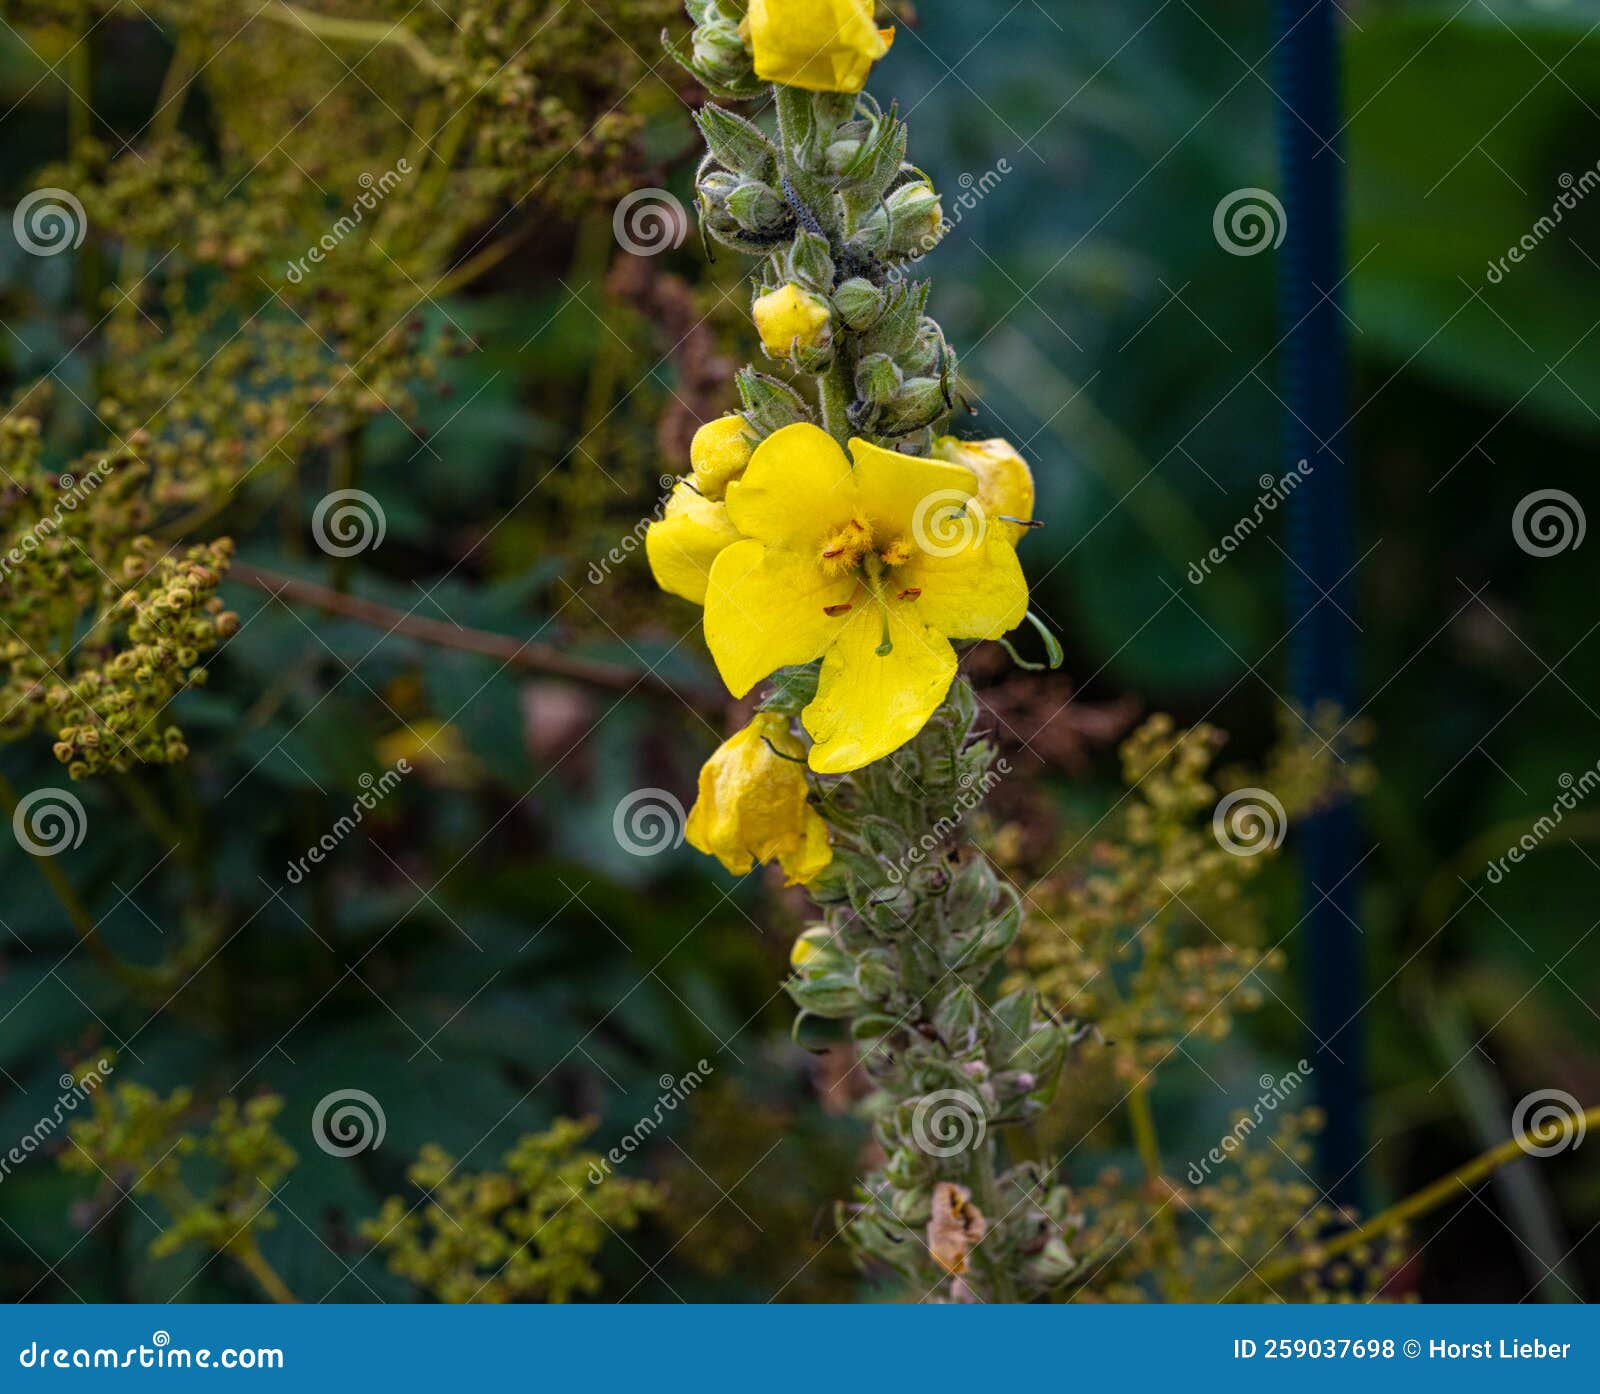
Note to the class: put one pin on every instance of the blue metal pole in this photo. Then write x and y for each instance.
(1322, 648)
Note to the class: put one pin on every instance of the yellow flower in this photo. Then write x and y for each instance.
(752, 804)
(821, 45)
(1005, 483)
(789, 317)
(685, 540)
(718, 454)
(873, 569)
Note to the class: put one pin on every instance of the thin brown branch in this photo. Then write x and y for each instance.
(526, 655)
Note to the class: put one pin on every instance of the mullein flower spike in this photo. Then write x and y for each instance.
(839, 547)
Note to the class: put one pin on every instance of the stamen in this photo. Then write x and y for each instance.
(844, 609)
(910, 593)
(1022, 522)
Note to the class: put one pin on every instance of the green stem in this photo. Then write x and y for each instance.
(370, 32)
(77, 912)
(834, 393)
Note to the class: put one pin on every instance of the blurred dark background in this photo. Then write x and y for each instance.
(485, 956)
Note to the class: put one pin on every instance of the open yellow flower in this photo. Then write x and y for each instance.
(685, 540)
(1005, 483)
(718, 454)
(820, 45)
(873, 569)
(752, 804)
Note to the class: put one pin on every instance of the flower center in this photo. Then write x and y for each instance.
(853, 548)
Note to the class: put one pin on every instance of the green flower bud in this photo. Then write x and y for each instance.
(958, 1017)
(759, 208)
(737, 144)
(829, 995)
(858, 303)
(810, 264)
(878, 380)
(916, 220)
(876, 976)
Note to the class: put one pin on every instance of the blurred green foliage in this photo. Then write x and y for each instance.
(485, 958)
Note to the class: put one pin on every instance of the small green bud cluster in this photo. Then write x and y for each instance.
(839, 215)
(718, 56)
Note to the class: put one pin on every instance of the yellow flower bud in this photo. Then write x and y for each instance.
(683, 543)
(752, 804)
(1005, 483)
(820, 45)
(789, 317)
(719, 452)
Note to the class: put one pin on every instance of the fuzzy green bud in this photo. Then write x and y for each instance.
(858, 303)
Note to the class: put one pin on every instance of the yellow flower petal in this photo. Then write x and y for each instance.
(976, 593)
(753, 804)
(868, 706)
(765, 610)
(796, 490)
(820, 45)
(719, 453)
(685, 540)
(904, 494)
(1005, 483)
